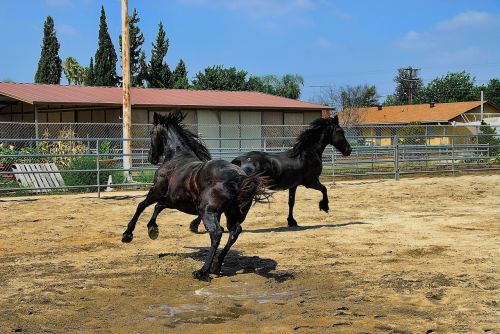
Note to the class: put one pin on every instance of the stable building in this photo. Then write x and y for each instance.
(96, 111)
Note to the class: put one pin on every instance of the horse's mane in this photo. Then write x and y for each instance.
(310, 137)
(174, 119)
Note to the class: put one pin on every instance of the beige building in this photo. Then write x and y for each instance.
(438, 121)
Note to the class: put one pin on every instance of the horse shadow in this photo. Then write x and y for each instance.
(301, 228)
(237, 264)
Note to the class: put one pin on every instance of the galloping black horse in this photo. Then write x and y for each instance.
(299, 166)
(189, 181)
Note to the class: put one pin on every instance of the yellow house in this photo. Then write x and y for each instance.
(440, 123)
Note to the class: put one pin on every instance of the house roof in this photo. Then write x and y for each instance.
(149, 97)
(422, 113)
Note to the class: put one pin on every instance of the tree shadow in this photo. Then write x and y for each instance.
(236, 264)
(300, 228)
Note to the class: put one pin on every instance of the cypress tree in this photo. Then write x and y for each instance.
(136, 39)
(50, 64)
(159, 72)
(105, 56)
(143, 74)
(179, 76)
(90, 77)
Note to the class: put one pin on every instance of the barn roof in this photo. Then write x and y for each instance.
(149, 97)
(422, 113)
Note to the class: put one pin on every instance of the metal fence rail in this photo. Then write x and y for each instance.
(87, 164)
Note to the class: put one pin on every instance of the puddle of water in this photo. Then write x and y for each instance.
(172, 311)
(241, 291)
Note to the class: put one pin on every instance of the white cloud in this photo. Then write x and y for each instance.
(66, 29)
(448, 32)
(325, 43)
(468, 19)
(256, 8)
(58, 2)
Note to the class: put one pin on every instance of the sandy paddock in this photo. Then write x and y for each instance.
(415, 256)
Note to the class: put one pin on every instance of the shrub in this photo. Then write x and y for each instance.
(82, 178)
(145, 176)
(61, 147)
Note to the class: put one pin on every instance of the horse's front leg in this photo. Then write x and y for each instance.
(291, 202)
(153, 231)
(213, 227)
(323, 204)
(150, 199)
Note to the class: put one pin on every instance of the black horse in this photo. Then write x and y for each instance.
(299, 166)
(189, 181)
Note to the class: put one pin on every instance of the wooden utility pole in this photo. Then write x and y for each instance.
(127, 110)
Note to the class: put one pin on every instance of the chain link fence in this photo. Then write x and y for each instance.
(89, 157)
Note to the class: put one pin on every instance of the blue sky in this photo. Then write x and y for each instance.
(327, 42)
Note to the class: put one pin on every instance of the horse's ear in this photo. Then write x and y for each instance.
(336, 119)
(177, 116)
(156, 118)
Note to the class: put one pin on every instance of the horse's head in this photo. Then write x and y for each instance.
(337, 137)
(169, 136)
(157, 150)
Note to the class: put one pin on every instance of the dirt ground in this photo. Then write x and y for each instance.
(414, 256)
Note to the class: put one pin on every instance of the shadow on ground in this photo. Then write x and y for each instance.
(236, 264)
(301, 228)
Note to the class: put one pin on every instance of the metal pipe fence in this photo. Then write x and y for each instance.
(95, 164)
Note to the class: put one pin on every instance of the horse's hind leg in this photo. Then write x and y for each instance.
(291, 202)
(234, 221)
(213, 227)
(150, 199)
(152, 226)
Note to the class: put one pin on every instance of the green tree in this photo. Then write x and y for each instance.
(136, 40)
(285, 86)
(407, 81)
(143, 75)
(73, 71)
(90, 75)
(492, 92)
(358, 96)
(489, 137)
(179, 76)
(453, 87)
(158, 71)
(50, 65)
(219, 78)
(105, 56)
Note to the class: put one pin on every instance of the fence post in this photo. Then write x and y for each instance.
(453, 154)
(98, 171)
(396, 158)
(333, 166)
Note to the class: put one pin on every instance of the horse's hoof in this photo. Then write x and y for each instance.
(153, 232)
(201, 275)
(324, 206)
(292, 222)
(127, 237)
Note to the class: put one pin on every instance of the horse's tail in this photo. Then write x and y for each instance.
(253, 189)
